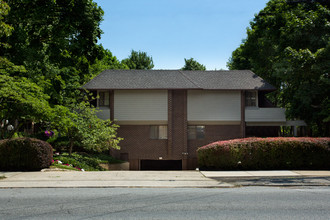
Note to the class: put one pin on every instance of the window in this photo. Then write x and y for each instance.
(196, 132)
(103, 98)
(251, 98)
(158, 132)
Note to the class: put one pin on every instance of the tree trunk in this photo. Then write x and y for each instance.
(70, 147)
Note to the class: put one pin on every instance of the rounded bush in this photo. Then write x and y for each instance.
(266, 153)
(26, 154)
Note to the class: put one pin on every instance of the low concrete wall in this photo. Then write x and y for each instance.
(115, 166)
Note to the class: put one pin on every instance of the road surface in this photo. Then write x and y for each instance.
(161, 203)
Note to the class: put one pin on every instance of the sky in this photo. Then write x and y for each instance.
(171, 30)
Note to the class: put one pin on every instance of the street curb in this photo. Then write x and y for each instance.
(286, 185)
(125, 187)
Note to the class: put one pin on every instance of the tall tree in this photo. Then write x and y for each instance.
(5, 29)
(21, 101)
(191, 64)
(105, 60)
(55, 41)
(288, 45)
(139, 60)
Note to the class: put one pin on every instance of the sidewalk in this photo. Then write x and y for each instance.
(150, 179)
(265, 173)
(281, 178)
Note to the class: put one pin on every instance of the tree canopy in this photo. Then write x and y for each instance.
(138, 60)
(55, 41)
(79, 123)
(20, 101)
(48, 51)
(191, 64)
(288, 45)
(104, 61)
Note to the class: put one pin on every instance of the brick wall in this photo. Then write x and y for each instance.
(179, 124)
(138, 145)
(214, 133)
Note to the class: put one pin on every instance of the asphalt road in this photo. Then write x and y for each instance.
(152, 203)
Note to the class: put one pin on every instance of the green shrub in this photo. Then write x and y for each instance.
(83, 160)
(25, 154)
(266, 153)
(79, 160)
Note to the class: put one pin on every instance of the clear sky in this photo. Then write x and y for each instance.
(171, 30)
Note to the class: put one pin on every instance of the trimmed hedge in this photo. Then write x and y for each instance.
(25, 154)
(265, 154)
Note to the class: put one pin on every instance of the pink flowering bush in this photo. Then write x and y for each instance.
(266, 153)
(60, 164)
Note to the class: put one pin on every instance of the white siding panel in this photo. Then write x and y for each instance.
(140, 105)
(103, 113)
(265, 114)
(214, 105)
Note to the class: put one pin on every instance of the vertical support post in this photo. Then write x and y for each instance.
(112, 104)
(112, 152)
(185, 134)
(169, 124)
(243, 114)
(295, 131)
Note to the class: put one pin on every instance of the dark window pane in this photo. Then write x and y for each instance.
(196, 132)
(200, 132)
(158, 132)
(250, 98)
(191, 132)
(103, 98)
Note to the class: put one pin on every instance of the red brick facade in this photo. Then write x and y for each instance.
(138, 146)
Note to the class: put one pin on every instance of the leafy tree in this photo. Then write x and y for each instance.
(104, 61)
(21, 101)
(54, 44)
(5, 29)
(55, 41)
(288, 45)
(80, 124)
(191, 64)
(138, 60)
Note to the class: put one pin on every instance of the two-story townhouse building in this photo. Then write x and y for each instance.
(165, 115)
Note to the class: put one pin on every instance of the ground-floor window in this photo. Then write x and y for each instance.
(196, 132)
(158, 132)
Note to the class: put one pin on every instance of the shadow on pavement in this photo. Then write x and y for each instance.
(276, 181)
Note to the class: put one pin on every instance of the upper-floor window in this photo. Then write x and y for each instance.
(251, 98)
(158, 132)
(196, 132)
(103, 99)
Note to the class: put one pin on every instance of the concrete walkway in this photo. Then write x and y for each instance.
(159, 179)
(266, 173)
(168, 179)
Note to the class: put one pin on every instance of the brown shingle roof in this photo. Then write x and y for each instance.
(177, 79)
